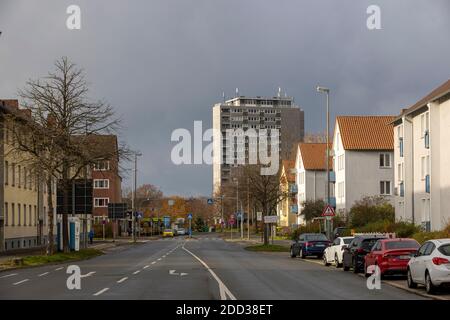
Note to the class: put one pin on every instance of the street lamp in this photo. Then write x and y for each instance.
(133, 198)
(327, 160)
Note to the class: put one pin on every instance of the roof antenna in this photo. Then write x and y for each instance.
(223, 96)
(279, 92)
(237, 92)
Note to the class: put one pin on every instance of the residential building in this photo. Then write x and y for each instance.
(311, 175)
(23, 195)
(276, 113)
(363, 159)
(422, 159)
(287, 208)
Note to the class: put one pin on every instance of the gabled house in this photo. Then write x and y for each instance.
(422, 161)
(363, 159)
(287, 208)
(311, 175)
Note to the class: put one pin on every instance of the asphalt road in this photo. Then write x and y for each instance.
(203, 268)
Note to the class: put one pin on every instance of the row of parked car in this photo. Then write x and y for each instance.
(427, 264)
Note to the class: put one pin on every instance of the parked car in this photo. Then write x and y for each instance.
(309, 244)
(430, 266)
(391, 255)
(333, 254)
(181, 231)
(167, 233)
(354, 253)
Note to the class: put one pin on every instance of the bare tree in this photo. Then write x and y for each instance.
(64, 131)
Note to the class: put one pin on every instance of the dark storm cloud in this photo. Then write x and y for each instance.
(163, 64)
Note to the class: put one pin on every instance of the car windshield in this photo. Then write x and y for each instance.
(367, 244)
(348, 240)
(401, 244)
(445, 249)
(316, 237)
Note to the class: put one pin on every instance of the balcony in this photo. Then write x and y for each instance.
(427, 139)
(293, 188)
(427, 183)
(402, 189)
(332, 202)
(332, 176)
(294, 208)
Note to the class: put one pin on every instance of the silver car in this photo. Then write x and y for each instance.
(430, 266)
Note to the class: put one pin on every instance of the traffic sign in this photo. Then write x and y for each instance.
(328, 211)
(210, 201)
(259, 216)
(232, 219)
(270, 219)
(189, 216)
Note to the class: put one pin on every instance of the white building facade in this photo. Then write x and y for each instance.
(422, 161)
(362, 159)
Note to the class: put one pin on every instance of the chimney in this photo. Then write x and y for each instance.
(11, 103)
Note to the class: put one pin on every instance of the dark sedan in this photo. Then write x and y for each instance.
(309, 244)
(354, 254)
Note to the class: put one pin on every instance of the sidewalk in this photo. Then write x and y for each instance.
(254, 239)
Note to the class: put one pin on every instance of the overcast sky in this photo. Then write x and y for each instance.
(163, 64)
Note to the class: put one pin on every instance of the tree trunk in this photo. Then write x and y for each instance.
(266, 235)
(50, 243)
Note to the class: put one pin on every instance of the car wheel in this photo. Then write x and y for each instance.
(410, 281)
(355, 266)
(336, 261)
(325, 262)
(293, 255)
(429, 286)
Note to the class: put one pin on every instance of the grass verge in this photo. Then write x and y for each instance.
(59, 257)
(268, 248)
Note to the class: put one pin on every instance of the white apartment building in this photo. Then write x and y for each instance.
(363, 159)
(311, 175)
(255, 113)
(422, 161)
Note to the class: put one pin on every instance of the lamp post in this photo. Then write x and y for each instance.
(133, 198)
(327, 160)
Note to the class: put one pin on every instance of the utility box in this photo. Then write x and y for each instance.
(74, 234)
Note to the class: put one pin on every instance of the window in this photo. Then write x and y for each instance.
(385, 188)
(385, 160)
(6, 214)
(340, 164)
(19, 214)
(424, 123)
(101, 166)
(101, 202)
(19, 175)
(102, 183)
(25, 172)
(24, 214)
(425, 166)
(13, 167)
(340, 189)
(400, 172)
(13, 215)
(6, 173)
(30, 216)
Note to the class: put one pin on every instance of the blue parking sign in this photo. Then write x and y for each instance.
(189, 216)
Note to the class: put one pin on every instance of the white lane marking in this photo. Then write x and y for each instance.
(159, 259)
(137, 271)
(153, 262)
(122, 280)
(24, 280)
(145, 241)
(224, 291)
(164, 256)
(59, 269)
(88, 274)
(8, 275)
(146, 266)
(101, 291)
(43, 274)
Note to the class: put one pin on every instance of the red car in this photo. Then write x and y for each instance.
(391, 255)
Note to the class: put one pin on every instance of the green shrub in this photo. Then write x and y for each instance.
(313, 227)
(371, 210)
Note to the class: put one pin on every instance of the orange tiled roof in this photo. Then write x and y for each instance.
(366, 132)
(288, 165)
(313, 156)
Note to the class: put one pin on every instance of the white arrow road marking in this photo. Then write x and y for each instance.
(183, 274)
(87, 274)
(25, 280)
(43, 274)
(101, 291)
(8, 275)
(223, 290)
(173, 273)
(122, 280)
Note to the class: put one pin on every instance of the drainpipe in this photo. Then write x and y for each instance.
(412, 164)
(430, 160)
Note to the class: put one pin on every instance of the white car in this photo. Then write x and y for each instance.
(181, 231)
(333, 254)
(430, 266)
